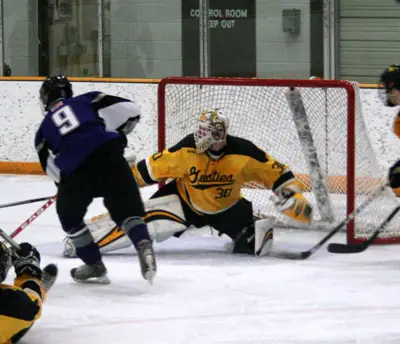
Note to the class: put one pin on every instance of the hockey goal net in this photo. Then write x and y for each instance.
(314, 126)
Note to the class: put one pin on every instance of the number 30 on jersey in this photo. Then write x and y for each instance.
(65, 120)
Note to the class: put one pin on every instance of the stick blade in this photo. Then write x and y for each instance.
(291, 255)
(343, 248)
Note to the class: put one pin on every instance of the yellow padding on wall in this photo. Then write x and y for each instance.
(12, 167)
(338, 184)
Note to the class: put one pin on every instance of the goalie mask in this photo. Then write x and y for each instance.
(389, 81)
(212, 127)
(5, 261)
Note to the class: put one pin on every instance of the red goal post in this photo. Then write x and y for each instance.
(264, 108)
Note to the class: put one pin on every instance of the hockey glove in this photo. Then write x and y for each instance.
(293, 204)
(394, 175)
(26, 261)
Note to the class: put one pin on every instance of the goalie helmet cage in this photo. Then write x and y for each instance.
(261, 110)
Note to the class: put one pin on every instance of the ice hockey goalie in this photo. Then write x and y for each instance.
(207, 170)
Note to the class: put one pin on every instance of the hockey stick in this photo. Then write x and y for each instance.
(33, 217)
(28, 201)
(357, 248)
(350, 217)
(308, 146)
(8, 239)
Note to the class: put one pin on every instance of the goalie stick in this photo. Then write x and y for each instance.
(350, 217)
(357, 248)
(309, 149)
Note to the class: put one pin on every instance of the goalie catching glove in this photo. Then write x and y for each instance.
(290, 201)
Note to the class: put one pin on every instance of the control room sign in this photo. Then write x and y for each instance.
(232, 38)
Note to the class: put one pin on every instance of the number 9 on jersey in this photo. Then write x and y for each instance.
(65, 120)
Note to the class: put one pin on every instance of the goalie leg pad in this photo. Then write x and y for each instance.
(264, 234)
(165, 217)
(108, 236)
(255, 239)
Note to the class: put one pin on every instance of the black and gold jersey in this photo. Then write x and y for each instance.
(208, 185)
(20, 307)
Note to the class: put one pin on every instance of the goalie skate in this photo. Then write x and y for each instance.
(147, 260)
(94, 273)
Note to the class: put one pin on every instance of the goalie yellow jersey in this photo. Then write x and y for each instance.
(20, 307)
(210, 186)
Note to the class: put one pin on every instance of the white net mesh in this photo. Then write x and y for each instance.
(261, 113)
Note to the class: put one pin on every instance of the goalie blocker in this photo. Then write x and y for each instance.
(168, 215)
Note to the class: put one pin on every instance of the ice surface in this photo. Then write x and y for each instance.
(204, 294)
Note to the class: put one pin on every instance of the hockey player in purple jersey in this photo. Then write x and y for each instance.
(80, 144)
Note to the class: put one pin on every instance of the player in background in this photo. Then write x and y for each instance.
(208, 169)
(21, 303)
(389, 93)
(80, 144)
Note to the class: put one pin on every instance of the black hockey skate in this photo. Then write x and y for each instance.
(49, 276)
(93, 273)
(147, 260)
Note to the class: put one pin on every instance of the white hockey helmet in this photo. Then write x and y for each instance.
(212, 127)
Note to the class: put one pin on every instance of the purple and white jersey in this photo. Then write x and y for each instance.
(75, 127)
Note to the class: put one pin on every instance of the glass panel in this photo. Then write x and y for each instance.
(145, 38)
(20, 37)
(69, 37)
(158, 38)
(263, 38)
